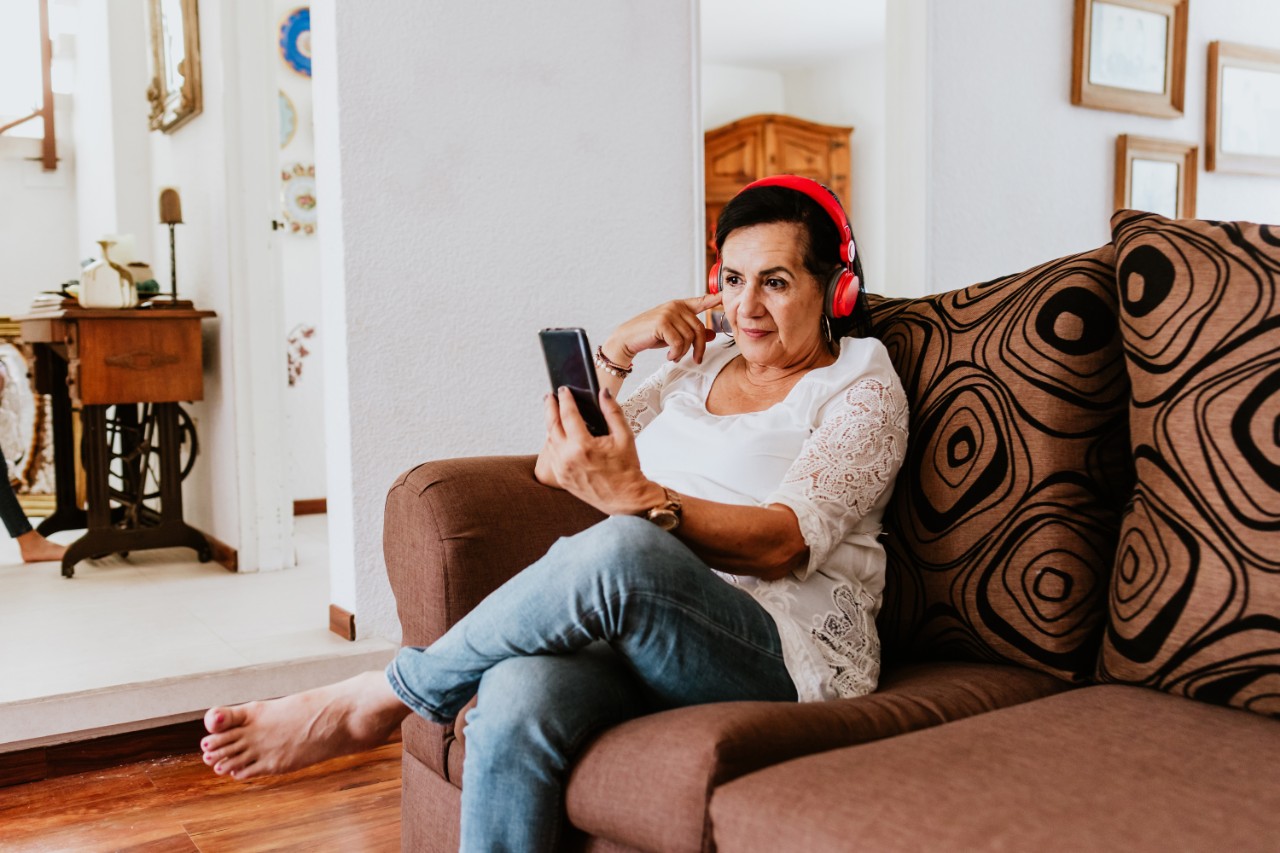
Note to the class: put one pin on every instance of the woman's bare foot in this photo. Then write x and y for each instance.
(264, 738)
(36, 549)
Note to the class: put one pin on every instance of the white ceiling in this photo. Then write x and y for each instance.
(788, 33)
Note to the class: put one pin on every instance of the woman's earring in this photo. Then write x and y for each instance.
(826, 330)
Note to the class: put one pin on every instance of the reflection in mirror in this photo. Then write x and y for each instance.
(175, 91)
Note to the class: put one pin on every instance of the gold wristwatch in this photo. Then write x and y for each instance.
(667, 514)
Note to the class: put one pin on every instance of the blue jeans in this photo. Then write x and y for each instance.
(11, 512)
(617, 621)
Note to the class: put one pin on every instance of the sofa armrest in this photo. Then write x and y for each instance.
(457, 529)
(454, 531)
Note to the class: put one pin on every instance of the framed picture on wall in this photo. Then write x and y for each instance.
(1156, 175)
(1130, 56)
(1243, 115)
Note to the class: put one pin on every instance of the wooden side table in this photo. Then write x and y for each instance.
(101, 358)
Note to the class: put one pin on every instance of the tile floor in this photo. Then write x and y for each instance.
(157, 636)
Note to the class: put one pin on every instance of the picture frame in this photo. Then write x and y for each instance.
(1156, 175)
(175, 94)
(1130, 56)
(1242, 121)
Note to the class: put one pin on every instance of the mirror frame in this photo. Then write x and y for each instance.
(172, 108)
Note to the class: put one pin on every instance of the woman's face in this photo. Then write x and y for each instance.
(772, 302)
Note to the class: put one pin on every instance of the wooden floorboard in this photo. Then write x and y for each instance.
(177, 805)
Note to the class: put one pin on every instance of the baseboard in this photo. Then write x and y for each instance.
(311, 506)
(342, 622)
(101, 753)
(223, 554)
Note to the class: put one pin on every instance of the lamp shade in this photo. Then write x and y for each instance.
(170, 206)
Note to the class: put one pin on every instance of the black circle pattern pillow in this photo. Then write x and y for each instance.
(1003, 524)
(1195, 598)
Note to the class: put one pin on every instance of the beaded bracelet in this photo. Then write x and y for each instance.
(603, 362)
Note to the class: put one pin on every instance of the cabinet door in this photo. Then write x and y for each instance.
(797, 151)
(733, 160)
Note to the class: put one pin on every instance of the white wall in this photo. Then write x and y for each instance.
(113, 195)
(37, 221)
(544, 172)
(731, 92)
(850, 92)
(1018, 174)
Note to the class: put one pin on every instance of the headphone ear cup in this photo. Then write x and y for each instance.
(842, 294)
(713, 278)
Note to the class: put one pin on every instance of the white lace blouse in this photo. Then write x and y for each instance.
(829, 452)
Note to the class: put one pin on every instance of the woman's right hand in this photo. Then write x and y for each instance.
(673, 324)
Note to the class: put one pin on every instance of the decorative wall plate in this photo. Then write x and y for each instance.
(298, 194)
(295, 40)
(288, 119)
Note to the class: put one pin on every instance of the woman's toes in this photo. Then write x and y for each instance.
(213, 756)
(213, 720)
(249, 771)
(232, 765)
(217, 720)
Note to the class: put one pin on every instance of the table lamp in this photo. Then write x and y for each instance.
(171, 215)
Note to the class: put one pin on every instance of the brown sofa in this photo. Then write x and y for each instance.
(1081, 627)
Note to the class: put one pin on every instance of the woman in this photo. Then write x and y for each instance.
(744, 485)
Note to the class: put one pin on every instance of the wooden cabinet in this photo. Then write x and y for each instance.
(761, 145)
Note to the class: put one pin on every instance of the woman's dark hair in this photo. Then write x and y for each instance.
(763, 205)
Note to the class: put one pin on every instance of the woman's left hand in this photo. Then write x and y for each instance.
(603, 471)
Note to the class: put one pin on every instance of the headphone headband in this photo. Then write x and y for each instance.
(825, 198)
(841, 291)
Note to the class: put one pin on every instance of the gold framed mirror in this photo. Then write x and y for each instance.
(175, 90)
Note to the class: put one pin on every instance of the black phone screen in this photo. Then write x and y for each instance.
(569, 363)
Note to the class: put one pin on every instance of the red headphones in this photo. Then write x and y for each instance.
(841, 292)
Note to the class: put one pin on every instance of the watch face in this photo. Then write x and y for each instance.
(665, 518)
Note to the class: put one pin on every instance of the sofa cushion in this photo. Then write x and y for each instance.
(1003, 524)
(1099, 768)
(1195, 598)
(663, 766)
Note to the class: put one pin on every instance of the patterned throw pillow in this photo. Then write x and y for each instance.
(1195, 597)
(1003, 524)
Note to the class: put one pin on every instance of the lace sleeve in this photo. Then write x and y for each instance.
(645, 402)
(847, 467)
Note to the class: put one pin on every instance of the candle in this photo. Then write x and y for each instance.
(170, 206)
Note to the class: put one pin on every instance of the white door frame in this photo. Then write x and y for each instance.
(256, 321)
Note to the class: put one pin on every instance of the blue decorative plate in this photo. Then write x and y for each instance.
(295, 40)
(288, 119)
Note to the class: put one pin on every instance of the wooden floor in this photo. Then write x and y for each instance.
(177, 805)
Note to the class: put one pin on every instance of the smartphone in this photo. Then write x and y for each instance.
(569, 362)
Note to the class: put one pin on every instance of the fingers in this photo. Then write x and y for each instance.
(701, 303)
(551, 411)
(575, 428)
(697, 338)
(674, 325)
(613, 416)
